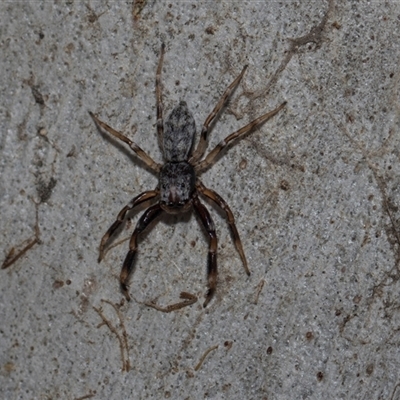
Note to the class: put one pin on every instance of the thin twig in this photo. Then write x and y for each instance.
(189, 299)
(122, 342)
(11, 257)
(203, 357)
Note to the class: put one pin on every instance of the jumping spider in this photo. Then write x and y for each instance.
(179, 186)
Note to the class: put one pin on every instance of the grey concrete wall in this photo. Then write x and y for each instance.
(315, 194)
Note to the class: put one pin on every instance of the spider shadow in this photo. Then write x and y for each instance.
(170, 220)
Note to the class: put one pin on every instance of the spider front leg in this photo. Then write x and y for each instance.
(138, 150)
(201, 147)
(208, 224)
(217, 199)
(150, 194)
(150, 215)
(212, 155)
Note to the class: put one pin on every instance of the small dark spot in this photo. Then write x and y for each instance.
(338, 313)
(226, 387)
(68, 282)
(191, 36)
(284, 185)
(391, 75)
(309, 335)
(332, 221)
(69, 48)
(320, 376)
(58, 284)
(269, 350)
(92, 18)
(41, 35)
(45, 190)
(228, 344)
(370, 369)
(138, 6)
(37, 95)
(193, 243)
(177, 82)
(336, 25)
(71, 153)
(210, 30)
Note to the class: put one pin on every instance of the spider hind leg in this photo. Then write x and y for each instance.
(208, 224)
(149, 215)
(141, 198)
(217, 199)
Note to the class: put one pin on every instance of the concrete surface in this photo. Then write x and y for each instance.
(315, 193)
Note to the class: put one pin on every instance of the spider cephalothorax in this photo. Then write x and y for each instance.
(179, 186)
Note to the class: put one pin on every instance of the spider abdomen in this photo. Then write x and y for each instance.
(177, 184)
(179, 133)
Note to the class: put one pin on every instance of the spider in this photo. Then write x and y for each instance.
(179, 187)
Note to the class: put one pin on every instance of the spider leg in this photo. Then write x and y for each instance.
(139, 151)
(201, 147)
(150, 194)
(204, 164)
(149, 215)
(217, 199)
(208, 224)
(160, 123)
